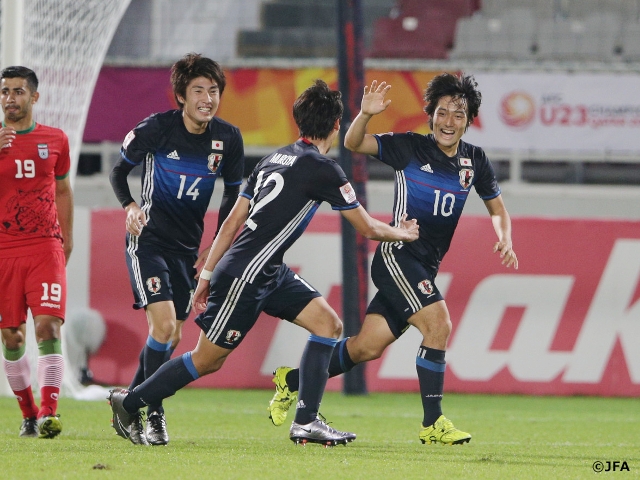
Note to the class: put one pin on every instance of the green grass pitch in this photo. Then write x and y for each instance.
(226, 434)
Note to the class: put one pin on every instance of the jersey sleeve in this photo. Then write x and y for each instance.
(140, 141)
(395, 149)
(250, 187)
(486, 184)
(233, 168)
(63, 163)
(330, 184)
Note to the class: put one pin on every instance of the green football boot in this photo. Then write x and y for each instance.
(49, 426)
(283, 398)
(443, 431)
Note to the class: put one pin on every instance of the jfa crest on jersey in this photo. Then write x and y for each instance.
(466, 177)
(214, 162)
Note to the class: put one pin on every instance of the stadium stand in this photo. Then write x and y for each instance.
(630, 41)
(418, 29)
(303, 28)
(508, 36)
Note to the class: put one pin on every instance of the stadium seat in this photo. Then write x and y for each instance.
(410, 37)
(540, 8)
(631, 41)
(601, 38)
(419, 29)
(510, 36)
(559, 39)
(594, 38)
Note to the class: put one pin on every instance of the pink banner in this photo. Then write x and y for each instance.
(567, 322)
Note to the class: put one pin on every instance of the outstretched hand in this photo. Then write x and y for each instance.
(373, 100)
(507, 254)
(411, 227)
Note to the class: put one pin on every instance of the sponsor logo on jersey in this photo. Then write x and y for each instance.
(426, 287)
(127, 140)
(348, 193)
(214, 162)
(286, 160)
(43, 151)
(466, 177)
(153, 284)
(217, 144)
(174, 155)
(233, 336)
(465, 162)
(50, 305)
(426, 168)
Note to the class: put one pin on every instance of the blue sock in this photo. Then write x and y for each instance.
(313, 377)
(168, 379)
(138, 378)
(430, 365)
(340, 363)
(155, 354)
(340, 360)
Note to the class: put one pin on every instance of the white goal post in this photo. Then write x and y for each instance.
(65, 43)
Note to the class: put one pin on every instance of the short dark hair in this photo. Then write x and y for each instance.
(316, 110)
(22, 72)
(194, 65)
(459, 87)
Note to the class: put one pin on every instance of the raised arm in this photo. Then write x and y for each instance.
(374, 229)
(502, 225)
(373, 102)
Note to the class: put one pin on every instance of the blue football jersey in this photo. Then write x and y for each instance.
(286, 188)
(433, 188)
(179, 170)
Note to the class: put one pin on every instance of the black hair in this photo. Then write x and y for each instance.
(22, 72)
(459, 87)
(194, 65)
(316, 110)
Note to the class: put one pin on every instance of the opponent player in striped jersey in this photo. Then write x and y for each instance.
(247, 276)
(36, 217)
(182, 153)
(433, 177)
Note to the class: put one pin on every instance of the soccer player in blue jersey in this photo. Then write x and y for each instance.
(248, 276)
(433, 177)
(182, 153)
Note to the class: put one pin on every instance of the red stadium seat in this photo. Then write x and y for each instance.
(422, 29)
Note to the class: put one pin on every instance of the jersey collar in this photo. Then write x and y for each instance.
(22, 132)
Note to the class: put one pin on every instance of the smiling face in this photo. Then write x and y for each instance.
(200, 105)
(17, 102)
(450, 120)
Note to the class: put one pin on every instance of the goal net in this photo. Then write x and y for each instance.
(64, 42)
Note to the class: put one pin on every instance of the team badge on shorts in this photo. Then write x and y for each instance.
(153, 284)
(466, 177)
(214, 162)
(43, 151)
(426, 287)
(233, 336)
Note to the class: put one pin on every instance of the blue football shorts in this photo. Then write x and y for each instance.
(234, 305)
(404, 286)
